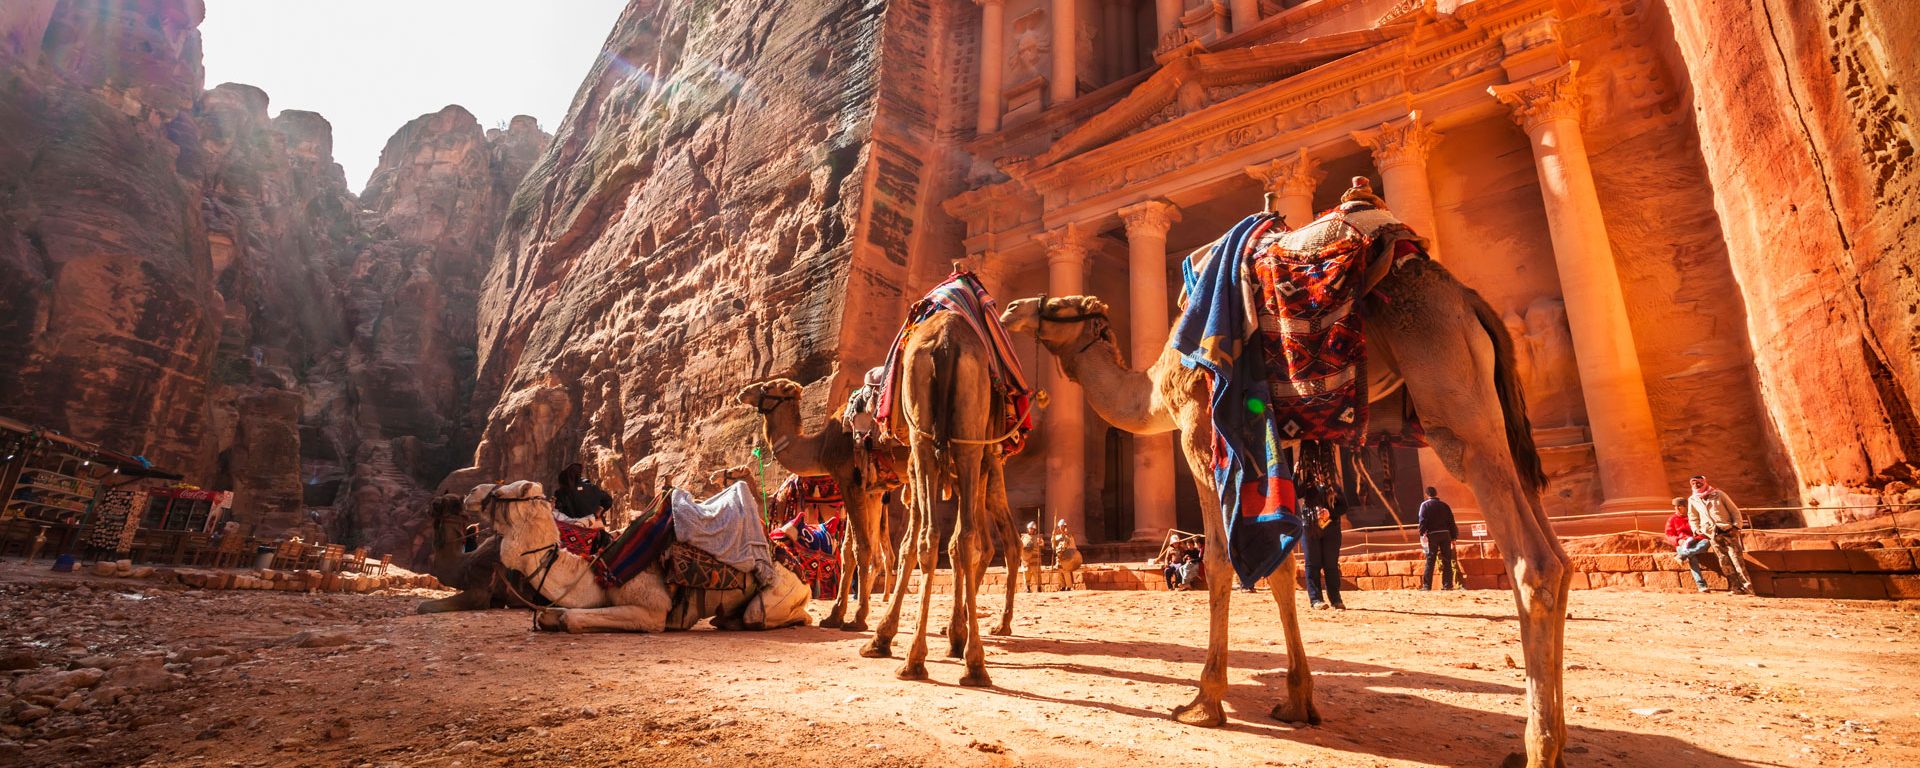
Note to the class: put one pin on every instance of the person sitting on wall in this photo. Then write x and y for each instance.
(1713, 515)
(1687, 548)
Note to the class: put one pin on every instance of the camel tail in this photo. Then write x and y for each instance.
(1513, 402)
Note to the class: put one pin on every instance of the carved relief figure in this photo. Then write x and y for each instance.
(1030, 45)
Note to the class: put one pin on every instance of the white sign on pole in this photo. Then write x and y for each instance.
(1479, 530)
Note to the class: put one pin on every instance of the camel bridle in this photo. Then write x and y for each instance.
(550, 556)
(766, 402)
(1102, 328)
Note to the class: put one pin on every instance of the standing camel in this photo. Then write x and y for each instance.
(947, 402)
(1455, 358)
(830, 452)
(529, 545)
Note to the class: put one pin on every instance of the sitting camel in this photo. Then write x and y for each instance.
(478, 575)
(1455, 358)
(830, 452)
(947, 403)
(529, 545)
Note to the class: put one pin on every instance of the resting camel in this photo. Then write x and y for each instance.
(1455, 358)
(947, 404)
(523, 516)
(830, 452)
(478, 575)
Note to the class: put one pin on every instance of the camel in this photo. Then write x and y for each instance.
(478, 575)
(523, 515)
(947, 404)
(830, 452)
(1455, 358)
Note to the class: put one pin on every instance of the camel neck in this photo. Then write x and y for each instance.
(1122, 397)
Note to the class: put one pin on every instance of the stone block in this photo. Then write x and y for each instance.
(1377, 568)
(1613, 563)
(1583, 563)
(1811, 545)
(1400, 568)
(1796, 586)
(1762, 582)
(1885, 561)
(1353, 570)
(1581, 580)
(1483, 567)
(1817, 561)
(1482, 581)
(1854, 586)
(1769, 559)
(1640, 563)
(1903, 586)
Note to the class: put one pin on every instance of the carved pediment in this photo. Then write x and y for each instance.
(1196, 80)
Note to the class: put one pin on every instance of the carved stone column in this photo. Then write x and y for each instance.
(1167, 14)
(1400, 152)
(1069, 250)
(1291, 180)
(993, 60)
(1153, 477)
(1062, 82)
(1625, 444)
(1246, 13)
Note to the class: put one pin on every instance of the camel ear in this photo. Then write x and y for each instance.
(1096, 306)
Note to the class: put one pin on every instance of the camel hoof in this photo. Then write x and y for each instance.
(831, 622)
(550, 620)
(877, 649)
(1004, 630)
(1286, 712)
(1202, 715)
(853, 626)
(976, 679)
(912, 671)
(956, 648)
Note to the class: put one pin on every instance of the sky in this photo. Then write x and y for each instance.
(369, 66)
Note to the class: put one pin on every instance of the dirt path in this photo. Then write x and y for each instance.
(1402, 679)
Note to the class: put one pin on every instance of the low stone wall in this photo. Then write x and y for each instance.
(268, 579)
(1883, 572)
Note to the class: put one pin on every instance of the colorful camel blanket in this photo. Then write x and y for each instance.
(579, 539)
(726, 526)
(812, 554)
(962, 293)
(1257, 503)
(638, 548)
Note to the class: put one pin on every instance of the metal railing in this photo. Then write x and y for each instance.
(1658, 527)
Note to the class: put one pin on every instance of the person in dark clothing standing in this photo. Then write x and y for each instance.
(1437, 532)
(1322, 509)
(577, 497)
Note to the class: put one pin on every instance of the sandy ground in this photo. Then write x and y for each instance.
(1402, 679)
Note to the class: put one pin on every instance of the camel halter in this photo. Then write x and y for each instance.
(1100, 333)
(540, 574)
(767, 403)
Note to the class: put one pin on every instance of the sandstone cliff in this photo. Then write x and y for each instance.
(1806, 114)
(185, 277)
(690, 229)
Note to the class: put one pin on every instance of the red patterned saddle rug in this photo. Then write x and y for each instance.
(1309, 284)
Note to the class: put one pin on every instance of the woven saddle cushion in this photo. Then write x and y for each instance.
(686, 566)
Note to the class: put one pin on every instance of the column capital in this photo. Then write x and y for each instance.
(1149, 219)
(1295, 174)
(1069, 244)
(1399, 142)
(1544, 98)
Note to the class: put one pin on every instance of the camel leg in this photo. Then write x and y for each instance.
(873, 551)
(1002, 515)
(1298, 708)
(1205, 709)
(925, 473)
(467, 600)
(881, 646)
(971, 548)
(849, 561)
(619, 618)
(1451, 379)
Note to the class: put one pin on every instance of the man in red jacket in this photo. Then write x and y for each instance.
(1687, 548)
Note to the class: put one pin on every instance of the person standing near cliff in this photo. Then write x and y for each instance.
(1713, 515)
(1438, 531)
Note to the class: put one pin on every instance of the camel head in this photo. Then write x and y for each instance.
(1064, 323)
(765, 396)
(721, 478)
(502, 506)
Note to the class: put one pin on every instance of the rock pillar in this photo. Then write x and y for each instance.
(1246, 13)
(1062, 82)
(1153, 477)
(1167, 14)
(1625, 444)
(993, 59)
(1069, 250)
(1400, 150)
(1291, 180)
